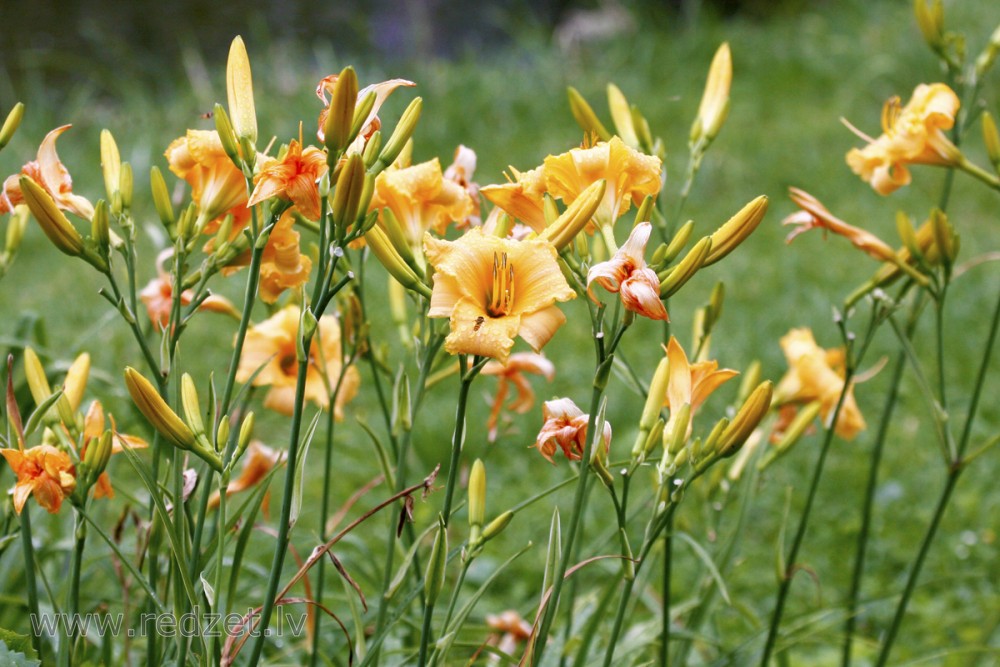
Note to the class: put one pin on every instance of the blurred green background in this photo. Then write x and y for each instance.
(494, 79)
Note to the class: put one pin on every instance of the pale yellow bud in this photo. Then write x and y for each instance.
(227, 135)
(111, 165)
(156, 411)
(76, 381)
(746, 420)
(337, 128)
(576, 216)
(52, 221)
(714, 105)
(16, 225)
(239, 91)
(383, 249)
(991, 139)
(736, 230)
(434, 578)
(34, 373)
(401, 134)
(585, 116)
(621, 115)
(930, 20)
(686, 268)
(349, 190)
(477, 499)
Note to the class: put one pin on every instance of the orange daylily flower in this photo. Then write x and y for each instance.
(512, 373)
(627, 274)
(282, 266)
(565, 427)
(814, 214)
(217, 186)
(45, 472)
(522, 196)
(93, 428)
(816, 374)
(690, 383)
(271, 345)
(158, 296)
(421, 198)
(49, 172)
(292, 178)
(494, 289)
(258, 460)
(913, 134)
(630, 175)
(509, 629)
(372, 123)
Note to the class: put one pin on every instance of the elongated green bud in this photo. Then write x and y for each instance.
(677, 243)
(227, 135)
(653, 406)
(52, 221)
(348, 193)
(100, 229)
(339, 122)
(746, 420)
(191, 405)
(736, 230)
(497, 525)
(11, 123)
(404, 130)
(16, 225)
(576, 216)
(991, 139)
(585, 116)
(156, 411)
(715, 100)
(222, 434)
(126, 186)
(161, 197)
(686, 268)
(246, 433)
(434, 579)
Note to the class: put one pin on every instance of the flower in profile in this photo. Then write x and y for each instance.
(494, 289)
(814, 214)
(42, 471)
(913, 134)
(460, 171)
(282, 265)
(293, 177)
(630, 175)
(258, 461)
(512, 373)
(93, 428)
(49, 172)
(420, 198)
(217, 185)
(371, 123)
(627, 274)
(158, 296)
(816, 374)
(690, 384)
(565, 428)
(509, 629)
(522, 196)
(270, 347)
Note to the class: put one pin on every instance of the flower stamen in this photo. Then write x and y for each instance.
(501, 296)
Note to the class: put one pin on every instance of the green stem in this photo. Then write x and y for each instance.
(29, 577)
(954, 471)
(221, 536)
(73, 594)
(668, 549)
(251, 294)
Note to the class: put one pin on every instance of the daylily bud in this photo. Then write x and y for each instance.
(802, 421)
(394, 231)
(653, 406)
(715, 302)
(239, 91)
(52, 221)
(944, 235)
(678, 243)
(686, 268)
(576, 216)
(401, 403)
(549, 209)
(34, 373)
(645, 210)
(347, 195)
(600, 468)
(585, 116)
(111, 166)
(372, 149)
(125, 186)
(477, 500)
(100, 229)
(737, 229)
(307, 329)
(674, 441)
(383, 249)
(223, 234)
(930, 20)
(645, 136)
(904, 227)
(361, 111)
(11, 123)
(246, 432)
(222, 434)
(227, 135)
(156, 411)
(340, 116)
(496, 526)
(161, 198)
(621, 115)
(746, 420)
(190, 403)
(991, 139)
(712, 441)
(989, 55)
(76, 381)
(404, 130)
(16, 225)
(751, 378)
(714, 105)
(434, 579)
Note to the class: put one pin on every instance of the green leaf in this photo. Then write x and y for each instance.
(16, 650)
(700, 552)
(300, 470)
(36, 417)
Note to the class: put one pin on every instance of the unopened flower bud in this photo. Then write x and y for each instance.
(404, 130)
(383, 249)
(372, 149)
(100, 228)
(714, 105)
(677, 243)
(52, 221)
(944, 235)
(653, 406)
(156, 411)
(34, 373)
(736, 230)
(239, 91)
(339, 121)
(111, 166)
(746, 420)
(125, 186)
(348, 193)
(991, 139)
(576, 216)
(585, 116)
(676, 437)
(989, 55)
(477, 500)
(76, 380)
(678, 276)
(222, 434)
(16, 225)
(11, 123)
(227, 135)
(792, 433)
(749, 381)
(190, 403)
(497, 525)
(621, 115)
(361, 112)
(401, 404)
(930, 20)
(246, 433)
(161, 198)
(434, 578)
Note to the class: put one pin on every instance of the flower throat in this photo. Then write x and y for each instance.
(501, 295)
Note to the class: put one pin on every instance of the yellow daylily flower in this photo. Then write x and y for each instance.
(522, 196)
(913, 134)
(217, 186)
(630, 175)
(690, 384)
(421, 198)
(494, 289)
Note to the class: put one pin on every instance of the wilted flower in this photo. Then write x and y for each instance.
(44, 471)
(421, 199)
(158, 296)
(627, 274)
(257, 462)
(522, 196)
(913, 134)
(293, 178)
(565, 427)
(630, 175)
(270, 346)
(816, 374)
(494, 289)
(49, 172)
(217, 185)
(512, 373)
(814, 214)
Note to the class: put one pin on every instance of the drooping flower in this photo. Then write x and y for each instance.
(258, 460)
(814, 214)
(371, 123)
(690, 384)
(494, 289)
(49, 172)
(217, 186)
(42, 471)
(565, 427)
(282, 265)
(815, 374)
(158, 296)
(913, 134)
(513, 373)
(270, 346)
(293, 178)
(627, 274)
(522, 196)
(420, 198)
(630, 176)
